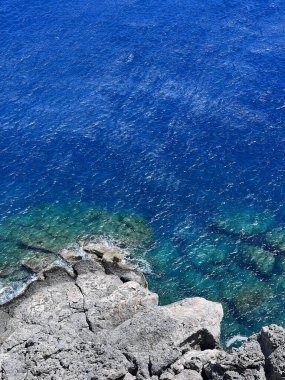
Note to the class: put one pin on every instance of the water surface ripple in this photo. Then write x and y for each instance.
(170, 109)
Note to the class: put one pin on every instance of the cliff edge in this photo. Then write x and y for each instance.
(99, 321)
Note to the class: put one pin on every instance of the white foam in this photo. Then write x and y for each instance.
(9, 292)
(234, 339)
(141, 264)
(13, 290)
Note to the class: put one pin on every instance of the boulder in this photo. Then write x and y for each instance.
(270, 338)
(275, 364)
(126, 272)
(72, 254)
(105, 249)
(157, 338)
(246, 362)
(195, 360)
(272, 342)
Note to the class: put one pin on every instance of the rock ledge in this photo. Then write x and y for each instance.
(98, 321)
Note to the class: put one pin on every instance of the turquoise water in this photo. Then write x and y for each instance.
(173, 111)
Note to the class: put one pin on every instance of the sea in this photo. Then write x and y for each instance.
(170, 110)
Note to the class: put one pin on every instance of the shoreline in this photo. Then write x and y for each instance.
(100, 321)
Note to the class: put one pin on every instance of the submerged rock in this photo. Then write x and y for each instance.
(276, 238)
(196, 283)
(258, 258)
(245, 289)
(6, 270)
(206, 256)
(246, 297)
(162, 258)
(46, 230)
(38, 262)
(244, 222)
(280, 265)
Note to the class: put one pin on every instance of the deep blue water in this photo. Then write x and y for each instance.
(172, 109)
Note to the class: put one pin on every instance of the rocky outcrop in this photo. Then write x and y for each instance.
(247, 362)
(99, 321)
(272, 342)
(99, 324)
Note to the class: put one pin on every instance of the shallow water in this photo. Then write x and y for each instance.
(170, 109)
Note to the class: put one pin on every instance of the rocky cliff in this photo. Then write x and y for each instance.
(97, 320)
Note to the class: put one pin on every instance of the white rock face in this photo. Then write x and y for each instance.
(272, 342)
(98, 326)
(102, 323)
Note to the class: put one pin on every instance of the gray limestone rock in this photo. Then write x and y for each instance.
(272, 342)
(275, 364)
(246, 362)
(97, 320)
(98, 325)
(105, 249)
(195, 360)
(188, 374)
(270, 338)
(156, 338)
(73, 253)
